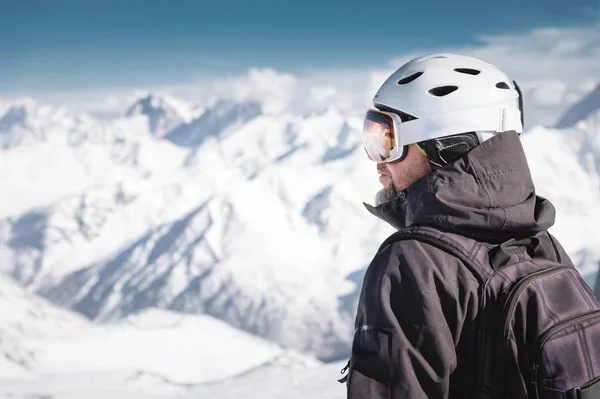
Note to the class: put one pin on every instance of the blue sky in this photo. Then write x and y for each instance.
(66, 45)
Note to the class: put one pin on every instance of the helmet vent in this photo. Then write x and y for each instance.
(442, 90)
(468, 71)
(502, 85)
(410, 78)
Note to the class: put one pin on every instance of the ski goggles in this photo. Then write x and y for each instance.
(380, 136)
(386, 136)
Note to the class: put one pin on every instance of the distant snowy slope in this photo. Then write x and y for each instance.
(553, 157)
(565, 163)
(581, 110)
(47, 243)
(259, 229)
(581, 127)
(276, 380)
(48, 153)
(161, 350)
(214, 122)
(27, 121)
(276, 383)
(179, 348)
(25, 321)
(222, 258)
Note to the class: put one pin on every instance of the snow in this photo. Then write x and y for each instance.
(44, 347)
(268, 382)
(193, 349)
(180, 238)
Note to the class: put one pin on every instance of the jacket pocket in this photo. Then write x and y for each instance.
(567, 358)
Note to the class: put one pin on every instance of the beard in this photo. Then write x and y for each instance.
(387, 194)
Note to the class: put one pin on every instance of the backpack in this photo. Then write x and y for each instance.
(538, 328)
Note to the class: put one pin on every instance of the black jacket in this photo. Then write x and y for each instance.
(414, 324)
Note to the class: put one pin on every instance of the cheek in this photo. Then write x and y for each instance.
(396, 175)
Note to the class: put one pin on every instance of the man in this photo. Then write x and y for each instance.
(445, 136)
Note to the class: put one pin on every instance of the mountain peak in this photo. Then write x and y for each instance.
(581, 110)
(163, 111)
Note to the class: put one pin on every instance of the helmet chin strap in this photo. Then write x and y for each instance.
(445, 150)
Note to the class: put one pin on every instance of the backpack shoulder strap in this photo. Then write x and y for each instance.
(472, 253)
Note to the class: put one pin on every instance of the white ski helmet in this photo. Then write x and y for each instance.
(452, 94)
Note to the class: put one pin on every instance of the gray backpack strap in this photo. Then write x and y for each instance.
(472, 253)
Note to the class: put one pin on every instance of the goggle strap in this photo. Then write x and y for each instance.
(436, 126)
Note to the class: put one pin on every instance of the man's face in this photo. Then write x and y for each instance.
(396, 177)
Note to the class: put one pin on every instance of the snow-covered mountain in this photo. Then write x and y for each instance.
(582, 110)
(163, 112)
(51, 153)
(561, 174)
(204, 242)
(214, 122)
(27, 121)
(254, 218)
(27, 319)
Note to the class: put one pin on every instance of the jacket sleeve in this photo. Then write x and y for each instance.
(412, 308)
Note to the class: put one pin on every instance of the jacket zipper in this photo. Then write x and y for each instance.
(343, 371)
(551, 331)
(511, 303)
